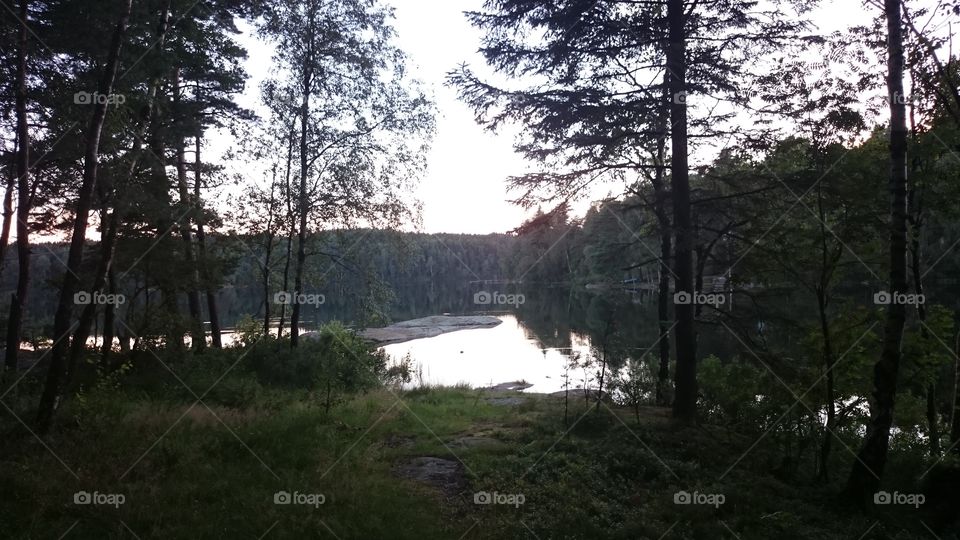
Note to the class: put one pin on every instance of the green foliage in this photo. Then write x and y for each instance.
(636, 384)
(248, 332)
(399, 373)
(730, 390)
(332, 360)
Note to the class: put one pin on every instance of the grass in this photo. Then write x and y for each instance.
(189, 471)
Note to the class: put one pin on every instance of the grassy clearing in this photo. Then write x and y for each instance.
(211, 470)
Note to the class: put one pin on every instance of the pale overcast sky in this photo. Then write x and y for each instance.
(464, 189)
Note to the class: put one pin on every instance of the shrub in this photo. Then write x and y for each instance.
(400, 373)
(728, 390)
(332, 361)
(248, 331)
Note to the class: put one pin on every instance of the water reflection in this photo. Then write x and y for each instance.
(489, 356)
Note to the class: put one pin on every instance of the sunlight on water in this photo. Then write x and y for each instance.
(489, 356)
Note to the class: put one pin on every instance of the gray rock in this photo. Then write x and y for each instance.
(427, 327)
(509, 386)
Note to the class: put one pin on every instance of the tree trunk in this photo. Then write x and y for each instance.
(823, 300)
(18, 304)
(603, 372)
(955, 413)
(829, 398)
(88, 314)
(915, 221)
(197, 335)
(685, 380)
(700, 266)
(268, 255)
(872, 458)
(212, 311)
(109, 318)
(266, 285)
(286, 277)
(50, 398)
(302, 197)
(288, 200)
(663, 287)
(7, 212)
(916, 264)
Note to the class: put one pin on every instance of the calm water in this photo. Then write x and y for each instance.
(536, 340)
(489, 356)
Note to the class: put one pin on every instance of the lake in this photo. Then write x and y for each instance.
(489, 356)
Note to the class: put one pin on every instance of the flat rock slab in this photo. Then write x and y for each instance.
(427, 327)
(509, 386)
(443, 474)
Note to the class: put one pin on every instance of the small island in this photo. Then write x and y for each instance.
(425, 327)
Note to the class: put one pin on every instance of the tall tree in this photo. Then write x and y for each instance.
(871, 460)
(55, 372)
(607, 65)
(362, 122)
(685, 379)
(18, 304)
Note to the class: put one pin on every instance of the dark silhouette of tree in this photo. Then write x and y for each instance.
(871, 460)
(612, 68)
(53, 385)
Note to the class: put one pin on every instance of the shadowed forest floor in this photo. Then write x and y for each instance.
(415, 464)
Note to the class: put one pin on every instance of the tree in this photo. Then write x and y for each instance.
(685, 379)
(360, 118)
(872, 458)
(609, 67)
(52, 386)
(18, 304)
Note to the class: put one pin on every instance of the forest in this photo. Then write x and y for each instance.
(737, 283)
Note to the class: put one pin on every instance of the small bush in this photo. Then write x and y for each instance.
(332, 361)
(400, 373)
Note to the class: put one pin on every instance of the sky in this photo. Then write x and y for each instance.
(464, 189)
